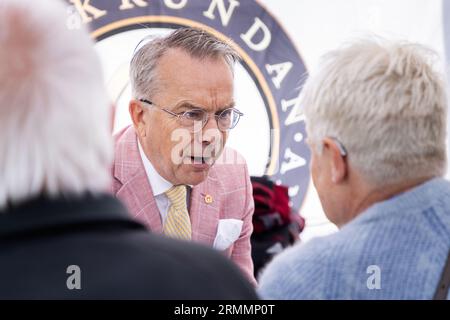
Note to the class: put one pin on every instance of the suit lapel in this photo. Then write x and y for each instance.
(205, 216)
(136, 191)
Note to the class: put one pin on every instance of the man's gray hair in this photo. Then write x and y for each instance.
(198, 43)
(54, 110)
(388, 106)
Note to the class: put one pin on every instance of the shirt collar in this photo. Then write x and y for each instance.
(158, 183)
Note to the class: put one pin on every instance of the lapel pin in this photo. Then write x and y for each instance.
(208, 199)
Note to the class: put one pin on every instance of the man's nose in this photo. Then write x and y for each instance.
(211, 123)
(210, 130)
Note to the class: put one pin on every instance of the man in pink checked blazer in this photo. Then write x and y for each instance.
(182, 111)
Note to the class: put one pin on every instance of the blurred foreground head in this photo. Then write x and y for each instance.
(376, 123)
(55, 135)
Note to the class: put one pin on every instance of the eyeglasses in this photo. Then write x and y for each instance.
(341, 147)
(226, 119)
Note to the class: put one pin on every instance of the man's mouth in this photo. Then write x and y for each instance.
(198, 160)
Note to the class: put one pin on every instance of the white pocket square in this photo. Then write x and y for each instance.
(228, 232)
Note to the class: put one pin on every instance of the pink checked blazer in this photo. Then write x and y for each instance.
(228, 184)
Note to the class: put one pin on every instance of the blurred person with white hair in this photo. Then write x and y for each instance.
(376, 122)
(62, 235)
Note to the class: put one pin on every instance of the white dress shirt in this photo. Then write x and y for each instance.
(159, 185)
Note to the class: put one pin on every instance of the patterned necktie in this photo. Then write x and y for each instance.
(178, 223)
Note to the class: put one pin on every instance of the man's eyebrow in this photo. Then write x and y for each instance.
(188, 105)
(230, 105)
(185, 106)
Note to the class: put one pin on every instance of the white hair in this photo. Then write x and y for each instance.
(54, 111)
(197, 42)
(386, 104)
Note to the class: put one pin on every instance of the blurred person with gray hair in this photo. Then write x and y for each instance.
(376, 122)
(62, 234)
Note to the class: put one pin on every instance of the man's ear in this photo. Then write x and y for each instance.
(337, 161)
(137, 117)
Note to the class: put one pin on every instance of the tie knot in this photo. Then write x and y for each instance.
(177, 195)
